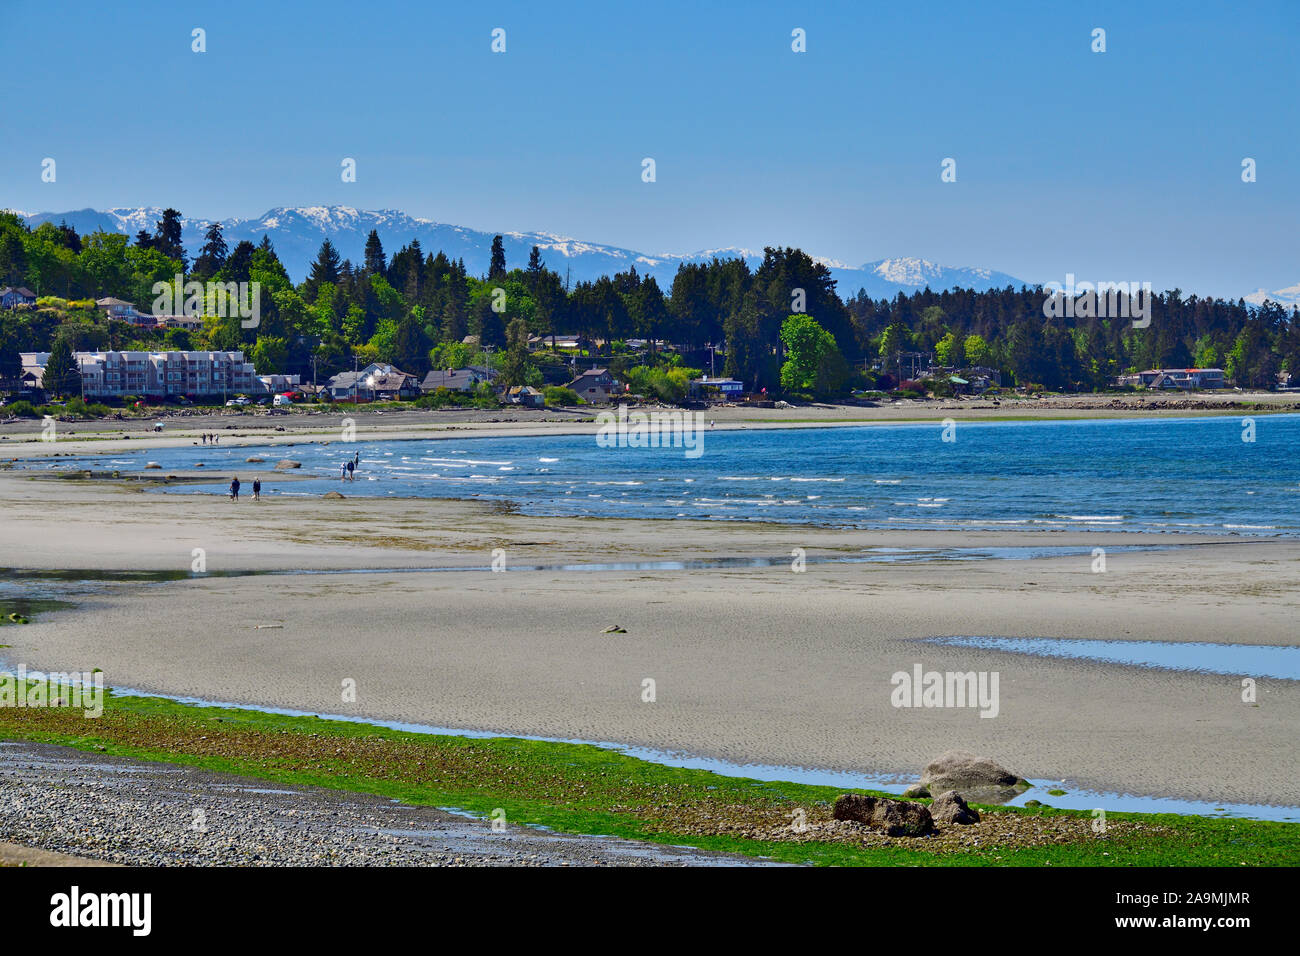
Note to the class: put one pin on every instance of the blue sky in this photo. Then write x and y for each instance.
(1123, 165)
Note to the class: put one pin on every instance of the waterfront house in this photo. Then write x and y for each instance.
(1169, 379)
(457, 379)
(716, 389)
(525, 395)
(596, 386)
(378, 381)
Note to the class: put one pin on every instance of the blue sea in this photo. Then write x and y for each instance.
(1192, 475)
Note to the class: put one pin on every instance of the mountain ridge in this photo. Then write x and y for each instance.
(297, 232)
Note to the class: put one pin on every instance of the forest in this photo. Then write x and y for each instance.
(783, 327)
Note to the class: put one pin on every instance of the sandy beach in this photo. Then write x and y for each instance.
(750, 665)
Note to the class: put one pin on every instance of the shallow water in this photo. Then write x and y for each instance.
(1192, 475)
(1246, 660)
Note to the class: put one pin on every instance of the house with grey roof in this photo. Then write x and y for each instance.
(11, 297)
(457, 379)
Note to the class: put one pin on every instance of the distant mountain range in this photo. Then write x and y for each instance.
(297, 233)
(1288, 297)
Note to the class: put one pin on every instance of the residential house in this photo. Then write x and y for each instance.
(982, 378)
(1184, 379)
(717, 389)
(11, 298)
(596, 386)
(279, 384)
(525, 395)
(457, 379)
(123, 311)
(191, 323)
(378, 381)
(31, 381)
(536, 342)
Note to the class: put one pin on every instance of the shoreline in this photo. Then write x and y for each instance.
(548, 789)
(876, 781)
(412, 425)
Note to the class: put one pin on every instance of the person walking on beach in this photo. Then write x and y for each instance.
(351, 467)
(343, 472)
(257, 489)
(234, 489)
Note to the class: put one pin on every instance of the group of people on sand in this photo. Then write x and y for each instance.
(209, 438)
(234, 489)
(347, 473)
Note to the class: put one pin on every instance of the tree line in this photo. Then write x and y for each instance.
(782, 326)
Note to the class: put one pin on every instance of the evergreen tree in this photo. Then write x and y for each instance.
(11, 364)
(497, 270)
(375, 263)
(535, 267)
(61, 374)
(68, 237)
(324, 270)
(514, 370)
(214, 252)
(238, 265)
(411, 348)
(13, 257)
(487, 324)
(167, 236)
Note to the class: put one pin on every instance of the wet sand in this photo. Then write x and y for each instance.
(750, 665)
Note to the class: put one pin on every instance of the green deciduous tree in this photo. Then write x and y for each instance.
(813, 362)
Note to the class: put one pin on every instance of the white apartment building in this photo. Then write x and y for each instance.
(159, 374)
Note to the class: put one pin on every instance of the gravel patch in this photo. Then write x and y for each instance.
(156, 814)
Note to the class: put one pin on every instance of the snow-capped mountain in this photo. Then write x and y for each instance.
(1288, 297)
(297, 233)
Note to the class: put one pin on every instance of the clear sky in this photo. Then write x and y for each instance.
(1123, 165)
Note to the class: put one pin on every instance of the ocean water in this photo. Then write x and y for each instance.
(1193, 475)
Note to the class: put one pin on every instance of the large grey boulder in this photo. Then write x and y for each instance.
(895, 817)
(975, 778)
(949, 807)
